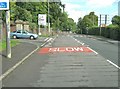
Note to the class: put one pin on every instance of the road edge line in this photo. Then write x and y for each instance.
(16, 65)
(113, 64)
(20, 62)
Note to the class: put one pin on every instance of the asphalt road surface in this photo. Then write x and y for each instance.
(104, 48)
(65, 62)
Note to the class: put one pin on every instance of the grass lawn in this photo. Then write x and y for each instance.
(3, 44)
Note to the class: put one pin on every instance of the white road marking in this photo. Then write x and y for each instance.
(78, 41)
(84, 44)
(92, 50)
(16, 65)
(46, 39)
(113, 64)
(21, 62)
(46, 42)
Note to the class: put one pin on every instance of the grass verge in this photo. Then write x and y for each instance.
(3, 44)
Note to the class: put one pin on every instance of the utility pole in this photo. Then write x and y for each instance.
(8, 43)
(100, 25)
(1, 47)
(48, 19)
(39, 33)
(63, 7)
(93, 20)
(1, 24)
(105, 19)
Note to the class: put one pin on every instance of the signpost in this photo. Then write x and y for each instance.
(41, 21)
(4, 5)
(103, 21)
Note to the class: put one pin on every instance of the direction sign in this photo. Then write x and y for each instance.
(4, 4)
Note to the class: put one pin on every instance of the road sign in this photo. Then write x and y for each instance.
(4, 4)
(103, 20)
(65, 49)
(42, 19)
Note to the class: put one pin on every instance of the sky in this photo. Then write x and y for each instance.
(80, 8)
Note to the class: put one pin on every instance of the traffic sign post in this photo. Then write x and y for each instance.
(41, 21)
(8, 43)
(4, 5)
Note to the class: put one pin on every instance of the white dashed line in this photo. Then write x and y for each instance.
(84, 44)
(113, 64)
(92, 50)
(78, 41)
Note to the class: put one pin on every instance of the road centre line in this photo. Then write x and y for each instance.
(113, 64)
(97, 53)
(87, 47)
(78, 41)
(92, 50)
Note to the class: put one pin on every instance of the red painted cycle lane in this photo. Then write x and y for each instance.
(64, 49)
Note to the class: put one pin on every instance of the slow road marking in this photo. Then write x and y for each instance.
(65, 49)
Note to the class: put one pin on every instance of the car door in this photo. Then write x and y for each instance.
(25, 34)
(19, 33)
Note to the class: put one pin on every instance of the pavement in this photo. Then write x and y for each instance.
(104, 39)
(20, 51)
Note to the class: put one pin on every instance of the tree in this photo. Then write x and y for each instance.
(28, 11)
(91, 19)
(116, 20)
(87, 21)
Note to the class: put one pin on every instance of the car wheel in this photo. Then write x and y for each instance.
(31, 37)
(14, 37)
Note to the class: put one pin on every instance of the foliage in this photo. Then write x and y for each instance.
(116, 20)
(28, 11)
(87, 21)
(3, 44)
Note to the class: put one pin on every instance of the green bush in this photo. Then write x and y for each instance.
(111, 31)
(93, 31)
(114, 31)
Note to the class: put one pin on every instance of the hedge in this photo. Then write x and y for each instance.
(112, 32)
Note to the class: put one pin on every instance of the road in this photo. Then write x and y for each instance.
(107, 50)
(65, 63)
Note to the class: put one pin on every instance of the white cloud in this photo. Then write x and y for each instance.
(70, 6)
(100, 3)
(76, 14)
(74, 11)
(77, 10)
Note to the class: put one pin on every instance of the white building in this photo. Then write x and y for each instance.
(119, 8)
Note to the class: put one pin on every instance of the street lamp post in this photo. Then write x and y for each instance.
(48, 19)
(87, 29)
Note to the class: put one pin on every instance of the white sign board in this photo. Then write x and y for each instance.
(4, 4)
(103, 20)
(42, 19)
